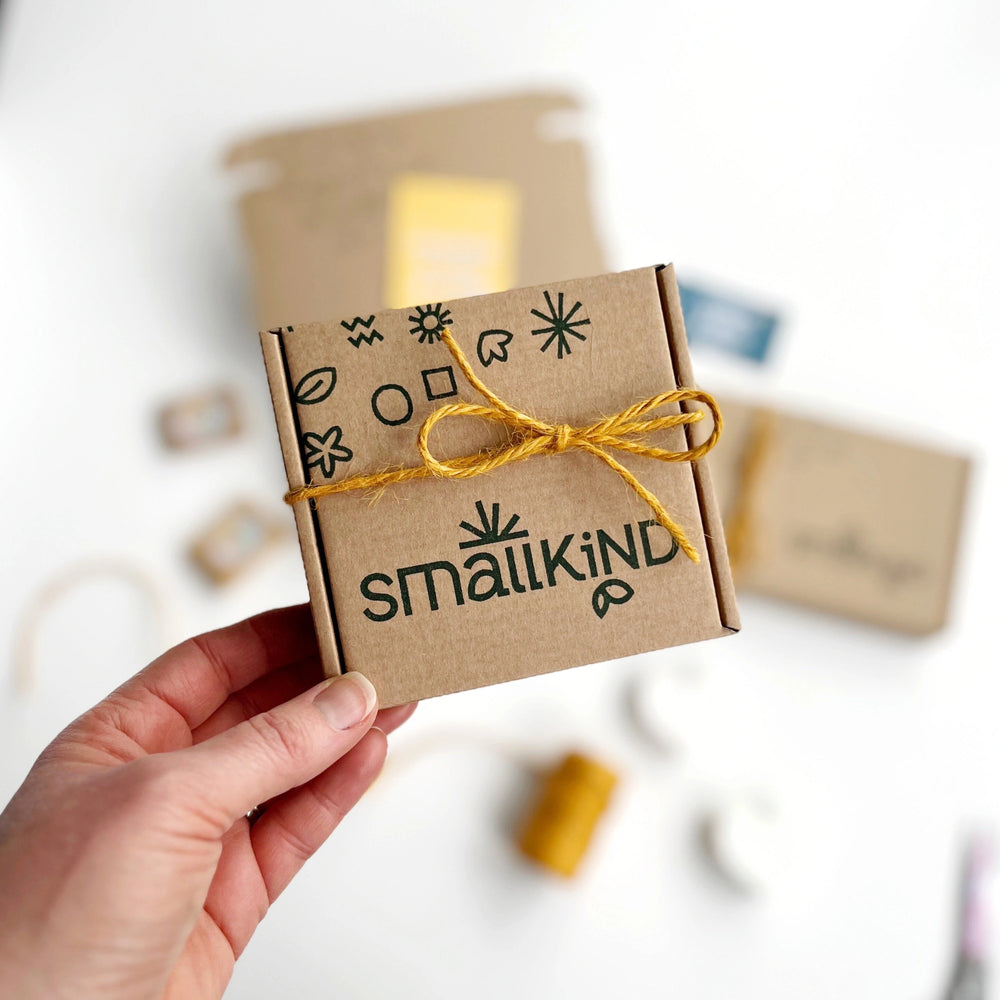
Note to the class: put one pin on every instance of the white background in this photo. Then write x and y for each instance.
(837, 160)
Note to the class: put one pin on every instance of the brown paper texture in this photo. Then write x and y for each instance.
(320, 233)
(441, 585)
(855, 524)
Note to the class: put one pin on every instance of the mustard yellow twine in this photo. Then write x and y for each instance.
(741, 536)
(623, 431)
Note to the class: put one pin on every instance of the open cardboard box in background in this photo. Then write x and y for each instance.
(425, 205)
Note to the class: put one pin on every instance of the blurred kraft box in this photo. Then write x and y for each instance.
(848, 522)
(435, 585)
(439, 203)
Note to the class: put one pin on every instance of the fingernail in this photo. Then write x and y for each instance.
(346, 700)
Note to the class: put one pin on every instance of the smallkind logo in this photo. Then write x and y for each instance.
(519, 567)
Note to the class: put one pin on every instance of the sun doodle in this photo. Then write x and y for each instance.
(429, 321)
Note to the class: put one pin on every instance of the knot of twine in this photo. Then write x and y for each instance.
(624, 431)
(563, 438)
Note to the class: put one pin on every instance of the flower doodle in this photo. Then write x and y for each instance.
(325, 450)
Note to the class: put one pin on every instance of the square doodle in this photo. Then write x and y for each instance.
(445, 380)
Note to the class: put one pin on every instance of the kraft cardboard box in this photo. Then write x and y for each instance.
(438, 585)
(431, 204)
(852, 523)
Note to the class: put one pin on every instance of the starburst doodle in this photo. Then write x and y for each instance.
(563, 325)
(489, 532)
(429, 321)
(325, 450)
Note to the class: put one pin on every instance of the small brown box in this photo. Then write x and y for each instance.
(319, 229)
(442, 585)
(852, 523)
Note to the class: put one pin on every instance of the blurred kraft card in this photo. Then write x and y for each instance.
(235, 540)
(436, 585)
(432, 204)
(200, 418)
(847, 522)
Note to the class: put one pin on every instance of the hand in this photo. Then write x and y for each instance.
(128, 867)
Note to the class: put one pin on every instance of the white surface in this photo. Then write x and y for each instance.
(839, 159)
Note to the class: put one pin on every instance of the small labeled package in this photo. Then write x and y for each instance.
(551, 516)
(852, 523)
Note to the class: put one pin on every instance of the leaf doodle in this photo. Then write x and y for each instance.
(610, 592)
(315, 386)
(492, 346)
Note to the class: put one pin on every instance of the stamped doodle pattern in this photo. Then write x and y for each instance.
(391, 403)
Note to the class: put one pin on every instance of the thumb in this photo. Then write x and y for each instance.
(282, 748)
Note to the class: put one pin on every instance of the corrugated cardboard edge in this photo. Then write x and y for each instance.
(958, 524)
(715, 536)
(311, 547)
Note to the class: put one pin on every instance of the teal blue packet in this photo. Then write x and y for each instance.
(729, 325)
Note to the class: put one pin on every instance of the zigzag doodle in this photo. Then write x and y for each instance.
(367, 338)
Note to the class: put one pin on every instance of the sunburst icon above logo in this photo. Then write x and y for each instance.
(489, 531)
(429, 321)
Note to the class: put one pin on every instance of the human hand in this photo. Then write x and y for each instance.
(128, 867)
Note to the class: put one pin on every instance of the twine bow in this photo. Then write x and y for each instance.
(623, 431)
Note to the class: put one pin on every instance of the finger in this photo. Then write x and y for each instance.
(387, 720)
(390, 719)
(156, 710)
(275, 688)
(261, 696)
(280, 749)
(297, 824)
(240, 877)
(237, 899)
(197, 676)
